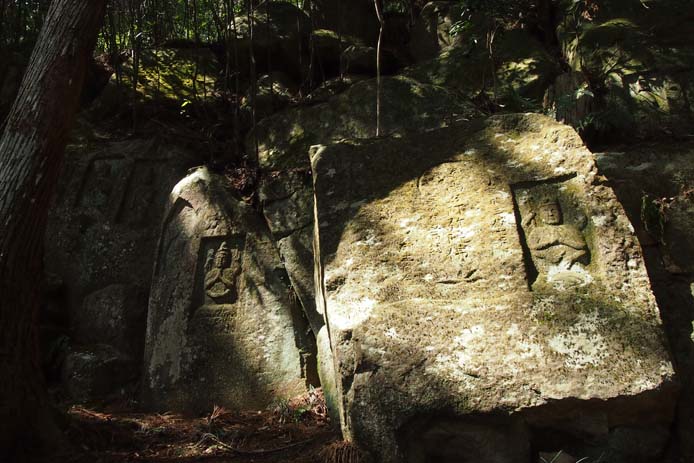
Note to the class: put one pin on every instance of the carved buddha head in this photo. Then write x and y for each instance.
(222, 257)
(550, 212)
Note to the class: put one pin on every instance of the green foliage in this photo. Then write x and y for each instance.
(285, 412)
(653, 216)
(507, 13)
(396, 6)
(464, 25)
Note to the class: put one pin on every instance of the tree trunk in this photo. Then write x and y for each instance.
(379, 12)
(31, 152)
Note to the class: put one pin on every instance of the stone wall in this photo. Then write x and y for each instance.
(101, 242)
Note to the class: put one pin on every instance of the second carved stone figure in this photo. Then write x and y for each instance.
(221, 273)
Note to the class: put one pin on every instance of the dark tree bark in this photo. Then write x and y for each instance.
(31, 152)
(379, 12)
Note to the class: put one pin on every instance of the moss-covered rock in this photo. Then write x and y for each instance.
(356, 18)
(407, 105)
(448, 321)
(357, 59)
(281, 33)
(273, 92)
(328, 47)
(174, 74)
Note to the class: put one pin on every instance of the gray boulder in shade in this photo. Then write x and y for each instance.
(97, 371)
(222, 328)
(115, 315)
(102, 234)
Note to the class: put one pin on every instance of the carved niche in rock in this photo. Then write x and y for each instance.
(221, 329)
(553, 234)
(222, 268)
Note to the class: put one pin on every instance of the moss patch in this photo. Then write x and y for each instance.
(174, 74)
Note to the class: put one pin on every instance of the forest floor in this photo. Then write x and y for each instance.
(294, 431)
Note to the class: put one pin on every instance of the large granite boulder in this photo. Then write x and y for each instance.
(361, 60)
(102, 235)
(485, 295)
(286, 187)
(331, 88)
(407, 106)
(115, 315)
(327, 48)
(281, 34)
(222, 328)
(96, 372)
(273, 92)
(355, 18)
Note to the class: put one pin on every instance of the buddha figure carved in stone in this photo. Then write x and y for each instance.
(220, 279)
(551, 241)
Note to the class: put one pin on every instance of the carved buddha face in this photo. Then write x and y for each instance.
(550, 213)
(222, 258)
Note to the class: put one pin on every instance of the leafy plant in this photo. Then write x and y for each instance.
(653, 216)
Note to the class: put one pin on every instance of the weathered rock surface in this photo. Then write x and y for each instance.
(357, 59)
(654, 182)
(273, 92)
(332, 87)
(488, 294)
(97, 371)
(115, 315)
(284, 141)
(408, 106)
(328, 47)
(176, 74)
(221, 328)
(280, 39)
(102, 234)
(356, 18)
(286, 189)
